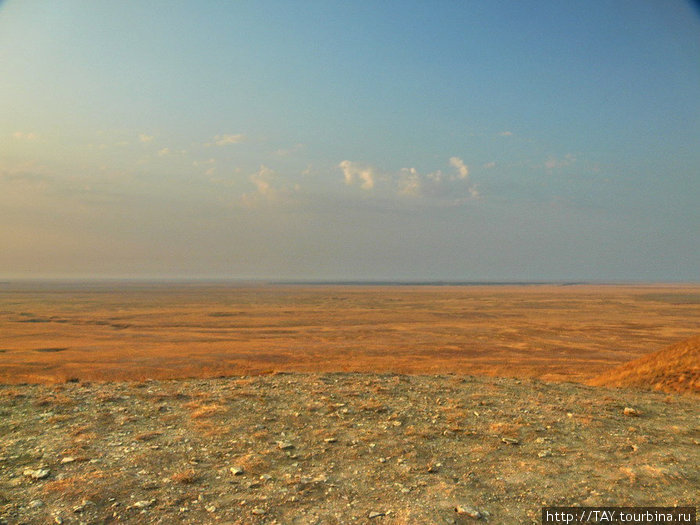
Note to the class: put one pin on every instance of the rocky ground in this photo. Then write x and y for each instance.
(338, 448)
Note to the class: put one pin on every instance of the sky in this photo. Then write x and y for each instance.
(324, 140)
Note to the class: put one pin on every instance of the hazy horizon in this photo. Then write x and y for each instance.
(324, 141)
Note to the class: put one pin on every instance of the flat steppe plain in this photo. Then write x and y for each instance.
(57, 332)
(340, 404)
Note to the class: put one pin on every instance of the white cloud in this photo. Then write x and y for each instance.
(145, 138)
(269, 188)
(355, 172)
(553, 163)
(223, 140)
(409, 182)
(163, 152)
(283, 152)
(506, 133)
(204, 162)
(261, 180)
(433, 188)
(21, 135)
(461, 167)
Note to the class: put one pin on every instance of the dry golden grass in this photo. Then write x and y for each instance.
(674, 369)
(85, 486)
(148, 436)
(200, 411)
(186, 477)
(251, 463)
(505, 429)
(134, 332)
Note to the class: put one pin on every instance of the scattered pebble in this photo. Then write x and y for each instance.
(143, 504)
(470, 512)
(40, 473)
(242, 469)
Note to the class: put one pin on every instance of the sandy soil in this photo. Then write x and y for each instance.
(338, 448)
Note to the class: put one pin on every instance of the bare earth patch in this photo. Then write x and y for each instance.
(338, 448)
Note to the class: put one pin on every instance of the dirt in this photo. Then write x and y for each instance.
(338, 448)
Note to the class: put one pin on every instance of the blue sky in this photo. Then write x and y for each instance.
(350, 140)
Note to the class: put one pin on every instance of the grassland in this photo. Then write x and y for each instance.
(52, 333)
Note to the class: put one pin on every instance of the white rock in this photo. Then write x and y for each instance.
(468, 511)
(40, 473)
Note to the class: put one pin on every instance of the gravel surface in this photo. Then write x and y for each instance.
(338, 448)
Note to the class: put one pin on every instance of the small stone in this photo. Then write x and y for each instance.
(510, 441)
(58, 520)
(143, 504)
(258, 511)
(330, 440)
(544, 454)
(284, 445)
(67, 459)
(469, 511)
(265, 477)
(434, 467)
(35, 504)
(629, 411)
(376, 514)
(40, 473)
(210, 508)
(237, 471)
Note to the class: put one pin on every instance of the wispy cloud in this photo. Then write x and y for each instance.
(461, 167)
(554, 163)
(506, 133)
(28, 173)
(283, 152)
(435, 187)
(269, 188)
(409, 182)
(261, 179)
(226, 139)
(22, 135)
(354, 172)
(145, 138)
(163, 152)
(207, 162)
